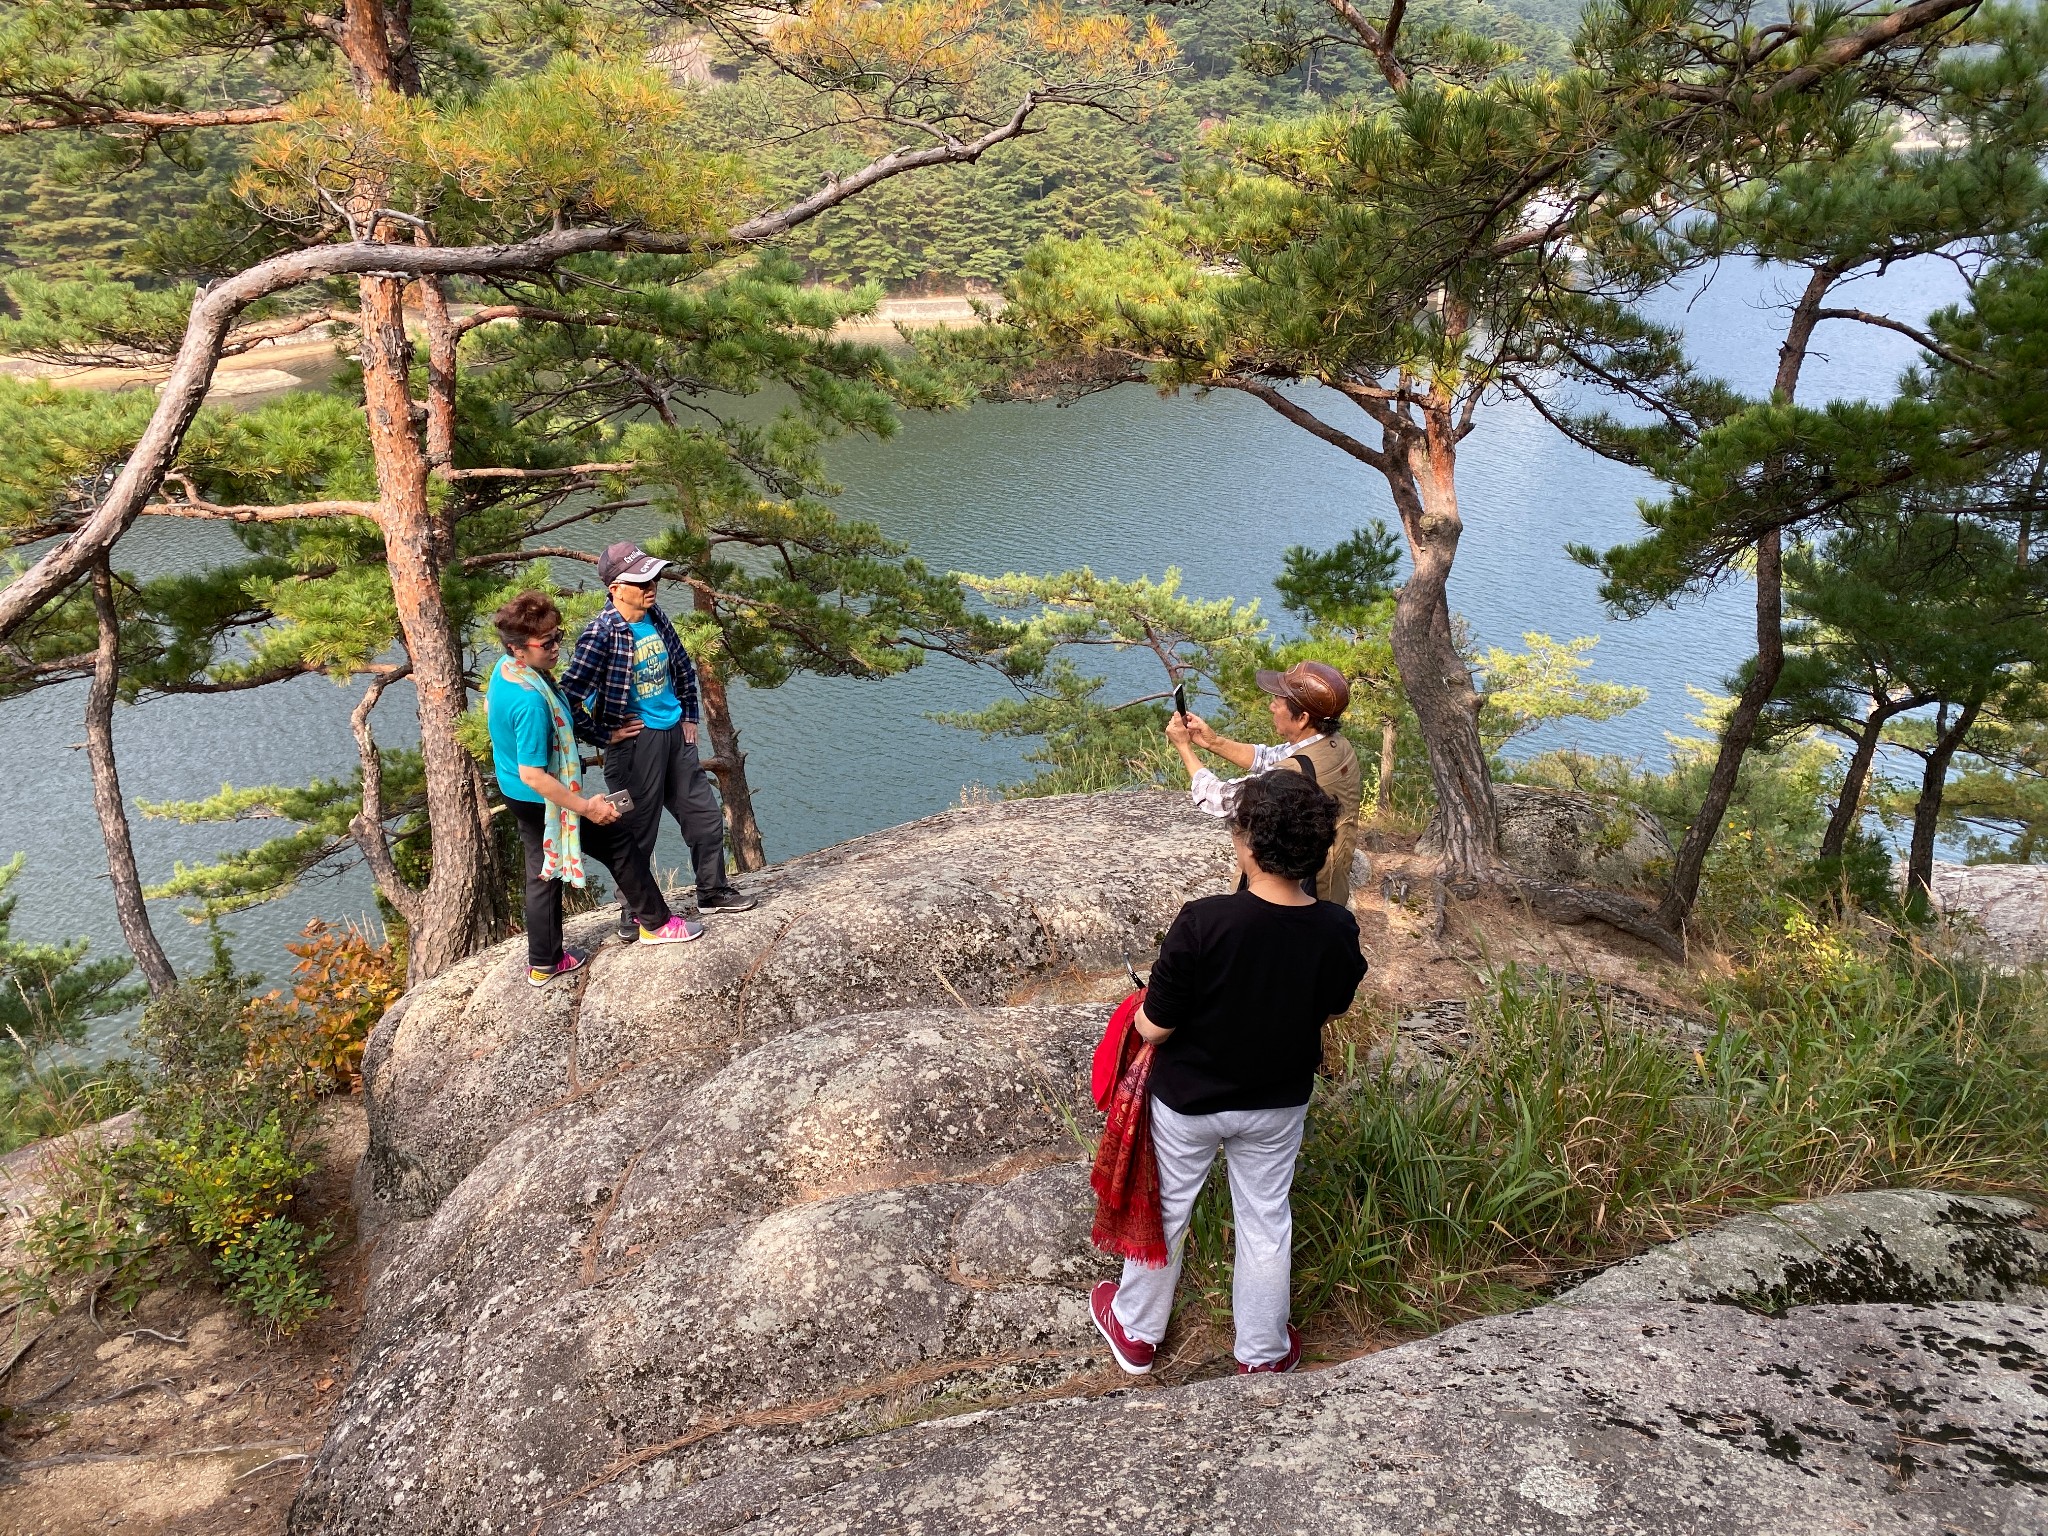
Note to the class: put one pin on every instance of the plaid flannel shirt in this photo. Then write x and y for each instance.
(600, 673)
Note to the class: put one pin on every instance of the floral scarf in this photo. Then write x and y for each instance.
(562, 838)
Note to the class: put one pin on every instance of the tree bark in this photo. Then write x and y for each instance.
(729, 766)
(1434, 675)
(1850, 806)
(1927, 809)
(729, 763)
(454, 907)
(367, 826)
(1740, 730)
(129, 907)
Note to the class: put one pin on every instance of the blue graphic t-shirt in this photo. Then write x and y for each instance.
(652, 689)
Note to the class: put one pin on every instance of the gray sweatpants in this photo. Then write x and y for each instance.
(1259, 1148)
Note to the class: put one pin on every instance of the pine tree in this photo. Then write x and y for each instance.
(1476, 231)
(1748, 474)
(49, 993)
(1997, 803)
(397, 172)
(1929, 611)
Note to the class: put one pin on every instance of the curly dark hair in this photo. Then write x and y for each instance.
(527, 616)
(1289, 822)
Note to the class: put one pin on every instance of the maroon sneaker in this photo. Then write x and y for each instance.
(1134, 1355)
(1284, 1364)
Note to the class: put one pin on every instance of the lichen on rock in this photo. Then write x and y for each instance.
(1653, 1420)
(1913, 1245)
(874, 1210)
(964, 907)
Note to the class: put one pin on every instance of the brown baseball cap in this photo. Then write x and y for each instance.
(627, 561)
(1314, 687)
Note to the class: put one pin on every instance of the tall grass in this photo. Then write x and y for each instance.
(1568, 1138)
(41, 1098)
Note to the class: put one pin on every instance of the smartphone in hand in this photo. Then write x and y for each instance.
(1180, 700)
(620, 798)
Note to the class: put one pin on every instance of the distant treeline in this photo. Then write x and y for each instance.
(63, 212)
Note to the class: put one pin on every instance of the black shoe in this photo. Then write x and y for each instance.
(629, 927)
(726, 899)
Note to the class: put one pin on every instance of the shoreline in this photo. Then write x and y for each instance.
(299, 362)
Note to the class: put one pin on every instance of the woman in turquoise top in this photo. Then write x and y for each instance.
(533, 750)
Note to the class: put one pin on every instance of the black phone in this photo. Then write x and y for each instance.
(1180, 700)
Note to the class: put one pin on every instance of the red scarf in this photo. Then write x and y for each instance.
(1126, 1175)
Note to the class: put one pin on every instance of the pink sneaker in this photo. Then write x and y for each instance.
(1134, 1355)
(572, 961)
(677, 930)
(1284, 1364)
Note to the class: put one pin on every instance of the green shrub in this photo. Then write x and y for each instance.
(49, 995)
(229, 1093)
(216, 1182)
(269, 1269)
(95, 1237)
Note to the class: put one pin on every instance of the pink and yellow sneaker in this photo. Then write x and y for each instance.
(572, 960)
(677, 930)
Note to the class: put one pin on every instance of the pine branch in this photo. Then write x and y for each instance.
(530, 552)
(242, 340)
(490, 314)
(83, 116)
(285, 513)
(768, 226)
(616, 467)
(1834, 55)
(1921, 338)
(237, 684)
(1379, 41)
(1308, 421)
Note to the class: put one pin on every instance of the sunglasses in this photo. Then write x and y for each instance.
(549, 641)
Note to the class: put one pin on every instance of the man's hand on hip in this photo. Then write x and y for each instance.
(629, 730)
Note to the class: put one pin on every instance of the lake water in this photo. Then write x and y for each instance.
(1125, 482)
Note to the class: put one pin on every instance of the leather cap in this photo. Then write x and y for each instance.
(1314, 687)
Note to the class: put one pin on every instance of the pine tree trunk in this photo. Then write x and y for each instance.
(455, 914)
(1740, 730)
(729, 767)
(742, 831)
(455, 908)
(1850, 806)
(1433, 674)
(129, 907)
(1927, 809)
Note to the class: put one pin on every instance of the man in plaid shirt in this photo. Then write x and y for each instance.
(631, 673)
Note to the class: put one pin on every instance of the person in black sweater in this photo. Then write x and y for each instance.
(1235, 1010)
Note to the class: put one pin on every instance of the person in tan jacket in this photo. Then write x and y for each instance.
(1308, 701)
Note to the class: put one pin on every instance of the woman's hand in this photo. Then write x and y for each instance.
(1147, 1030)
(597, 810)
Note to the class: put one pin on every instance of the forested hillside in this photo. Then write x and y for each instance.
(63, 211)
